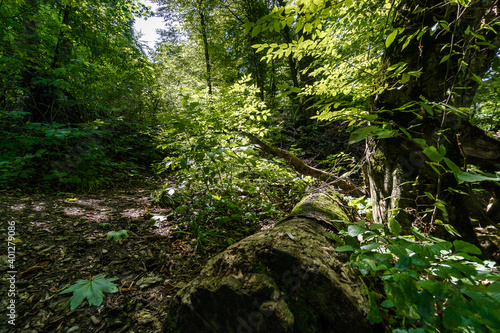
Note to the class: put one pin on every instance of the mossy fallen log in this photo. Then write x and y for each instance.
(286, 279)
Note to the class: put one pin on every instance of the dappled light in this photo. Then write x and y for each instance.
(265, 166)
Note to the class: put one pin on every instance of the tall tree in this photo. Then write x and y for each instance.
(196, 17)
(452, 44)
(57, 57)
(405, 75)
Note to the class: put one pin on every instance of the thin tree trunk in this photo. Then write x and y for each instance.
(345, 184)
(204, 35)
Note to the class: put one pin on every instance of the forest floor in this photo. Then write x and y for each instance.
(61, 238)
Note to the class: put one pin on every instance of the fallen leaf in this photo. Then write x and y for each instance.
(37, 267)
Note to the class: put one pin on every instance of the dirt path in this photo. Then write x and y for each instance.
(61, 238)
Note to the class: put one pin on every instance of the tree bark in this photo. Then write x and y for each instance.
(204, 35)
(398, 172)
(286, 279)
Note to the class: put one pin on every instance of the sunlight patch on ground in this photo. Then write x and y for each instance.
(18, 207)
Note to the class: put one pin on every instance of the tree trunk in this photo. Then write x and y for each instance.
(292, 64)
(204, 35)
(398, 172)
(306, 109)
(286, 279)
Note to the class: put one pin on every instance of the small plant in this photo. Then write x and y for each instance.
(117, 235)
(92, 290)
(423, 284)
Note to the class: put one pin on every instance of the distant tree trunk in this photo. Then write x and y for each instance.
(292, 64)
(285, 279)
(259, 73)
(44, 100)
(398, 174)
(305, 110)
(63, 50)
(204, 35)
(37, 99)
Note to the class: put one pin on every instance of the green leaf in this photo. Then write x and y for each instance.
(376, 226)
(451, 229)
(418, 234)
(390, 39)
(461, 246)
(433, 154)
(395, 226)
(93, 291)
(427, 108)
(374, 315)
(276, 26)
(256, 30)
(344, 248)
(248, 26)
(361, 133)
(494, 290)
(429, 195)
(355, 230)
(370, 246)
(383, 133)
(403, 263)
(402, 129)
(446, 57)
(397, 250)
(387, 304)
(468, 177)
(117, 235)
(399, 65)
(421, 142)
(453, 167)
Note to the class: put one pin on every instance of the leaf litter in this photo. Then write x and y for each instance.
(61, 239)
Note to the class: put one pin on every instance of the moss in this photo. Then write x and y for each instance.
(379, 161)
(323, 207)
(260, 268)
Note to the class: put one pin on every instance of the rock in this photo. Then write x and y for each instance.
(285, 279)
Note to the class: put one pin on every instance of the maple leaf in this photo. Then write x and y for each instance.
(92, 290)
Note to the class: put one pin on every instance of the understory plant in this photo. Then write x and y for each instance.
(232, 204)
(85, 157)
(221, 185)
(417, 283)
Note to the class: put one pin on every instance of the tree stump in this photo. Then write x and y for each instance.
(286, 279)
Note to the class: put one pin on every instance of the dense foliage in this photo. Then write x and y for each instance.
(74, 81)
(81, 104)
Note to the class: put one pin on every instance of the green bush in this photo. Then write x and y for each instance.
(221, 185)
(424, 284)
(221, 207)
(83, 157)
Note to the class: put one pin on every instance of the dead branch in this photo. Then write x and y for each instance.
(343, 183)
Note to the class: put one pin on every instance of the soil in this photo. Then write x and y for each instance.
(61, 238)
